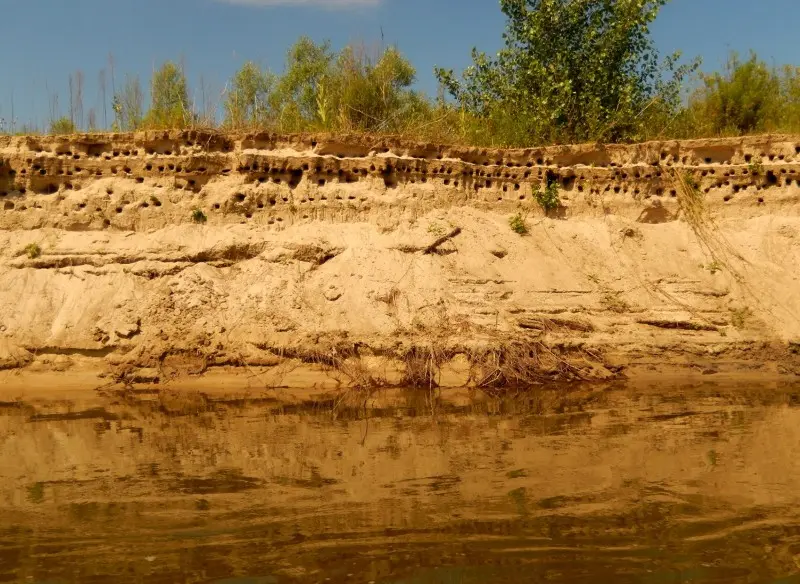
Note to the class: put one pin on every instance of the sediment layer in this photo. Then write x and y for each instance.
(364, 261)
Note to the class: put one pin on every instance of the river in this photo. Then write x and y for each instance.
(657, 483)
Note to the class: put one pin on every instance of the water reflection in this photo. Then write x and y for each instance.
(593, 484)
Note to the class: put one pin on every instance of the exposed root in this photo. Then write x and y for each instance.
(526, 363)
(423, 365)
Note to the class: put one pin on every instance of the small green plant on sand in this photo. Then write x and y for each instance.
(714, 267)
(548, 198)
(613, 302)
(198, 216)
(740, 316)
(518, 225)
(436, 229)
(756, 168)
(33, 251)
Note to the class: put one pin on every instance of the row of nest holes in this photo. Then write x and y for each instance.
(53, 189)
(539, 161)
(402, 167)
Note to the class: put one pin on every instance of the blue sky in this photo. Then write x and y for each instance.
(44, 40)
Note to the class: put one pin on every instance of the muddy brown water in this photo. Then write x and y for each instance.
(653, 484)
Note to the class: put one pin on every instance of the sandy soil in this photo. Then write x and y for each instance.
(316, 265)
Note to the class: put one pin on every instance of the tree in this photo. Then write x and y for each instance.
(571, 70)
(299, 96)
(169, 95)
(371, 94)
(248, 101)
(128, 106)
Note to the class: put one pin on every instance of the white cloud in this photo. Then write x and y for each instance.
(333, 4)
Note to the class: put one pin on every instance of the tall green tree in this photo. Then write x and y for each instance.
(571, 70)
(169, 94)
(248, 101)
(300, 94)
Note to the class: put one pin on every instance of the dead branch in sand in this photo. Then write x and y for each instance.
(433, 247)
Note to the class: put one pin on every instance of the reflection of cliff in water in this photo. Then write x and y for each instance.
(622, 484)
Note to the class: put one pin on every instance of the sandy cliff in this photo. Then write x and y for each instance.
(358, 261)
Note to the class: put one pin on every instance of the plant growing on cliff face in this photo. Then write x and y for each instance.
(548, 198)
(518, 224)
(756, 168)
(33, 251)
(198, 216)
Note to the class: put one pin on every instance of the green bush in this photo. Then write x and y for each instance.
(62, 125)
(33, 250)
(743, 98)
(548, 198)
(518, 224)
(351, 90)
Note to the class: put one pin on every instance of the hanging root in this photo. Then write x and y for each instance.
(423, 365)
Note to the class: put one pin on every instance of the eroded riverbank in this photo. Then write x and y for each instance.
(163, 256)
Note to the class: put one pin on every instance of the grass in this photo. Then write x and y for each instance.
(714, 267)
(518, 224)
(33, 250)
(198, 216)
(691, 183)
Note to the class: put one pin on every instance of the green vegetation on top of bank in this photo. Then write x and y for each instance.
(570, 71)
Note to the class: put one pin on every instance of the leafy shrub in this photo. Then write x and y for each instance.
(518, 224)
(62, 125)
(33, 251)
(756, 168)
(348, 90)
(548, 198)
(745, 97)
(198, 216)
